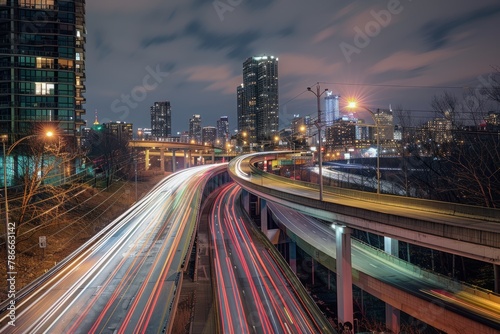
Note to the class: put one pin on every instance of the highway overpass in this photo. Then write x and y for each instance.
(459, 229)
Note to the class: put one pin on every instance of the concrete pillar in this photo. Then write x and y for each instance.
(162, 159)
(496, 270)
(312, 271)
(174, 167)
(187, 159)
(392, 314)
(344, 274)
(263, 216)
(146, 160)
(292, 254)
(245, 199)
(391, 246)
(213, 156)
(392, 318)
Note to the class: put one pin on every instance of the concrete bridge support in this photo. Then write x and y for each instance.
(162, 159)
(392, 314)
(146, 160)
(187, 158)
(245, 200)
(292, 254)
(263, 216)
(344, 274)
(174, 163)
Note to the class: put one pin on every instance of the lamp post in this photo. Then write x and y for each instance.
(376, 119)
(318, 125)
(6, 152)
(301, 130)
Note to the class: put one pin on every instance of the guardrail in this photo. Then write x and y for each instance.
(450, 284)
(453, 209)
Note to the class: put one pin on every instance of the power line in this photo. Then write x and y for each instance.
(395, 86)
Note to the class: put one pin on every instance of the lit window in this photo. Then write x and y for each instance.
(44, 62)
(36, 3)
(44, 88)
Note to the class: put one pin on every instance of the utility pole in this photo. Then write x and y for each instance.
(319, 125)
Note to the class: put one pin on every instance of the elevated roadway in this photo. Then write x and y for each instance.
(464, 230)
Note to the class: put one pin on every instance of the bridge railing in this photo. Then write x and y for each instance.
(454, 209)
(447, 282)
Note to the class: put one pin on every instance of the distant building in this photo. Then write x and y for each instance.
(209, 135)
(161, 120)
(341, 135)
(439, 130)
(223, 131)
(385, 121)
(257, 99)
(332, 108)
(184, 137)
(121, 130)
(144, 133)
(492, 121)
(195, 129)
(42, 67)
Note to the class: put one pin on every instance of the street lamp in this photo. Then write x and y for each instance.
(352, 104)
(6, 152)
(318, 125)
(292, 145)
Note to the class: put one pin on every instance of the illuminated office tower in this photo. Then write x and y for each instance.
(332, 109)
(161, 120)
(195, 129)
(257, 99)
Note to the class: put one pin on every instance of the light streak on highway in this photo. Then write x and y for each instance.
(254, 295)
(124, 280)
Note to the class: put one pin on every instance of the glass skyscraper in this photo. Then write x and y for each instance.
(161, 120)
(42, 67)
(258, 108)
(332, 109)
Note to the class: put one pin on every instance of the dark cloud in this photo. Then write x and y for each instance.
(157, 40)
(103, 48)
(258, 4)
(438, 32)
(287, 31)
(237, 44)
(387, 76)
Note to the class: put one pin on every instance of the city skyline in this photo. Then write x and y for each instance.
(190, 53)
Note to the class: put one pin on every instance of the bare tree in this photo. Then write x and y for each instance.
(446, 106)
(491, 89)
(39, 181)
(471, 160)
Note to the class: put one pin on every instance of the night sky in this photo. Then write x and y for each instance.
(398, 53)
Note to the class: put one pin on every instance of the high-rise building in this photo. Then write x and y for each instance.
(257, 99)
(195, 129)
(161, 120)
(209, 135)
(385, 120)
(42, 67)
(223, 131)
(332, 109)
